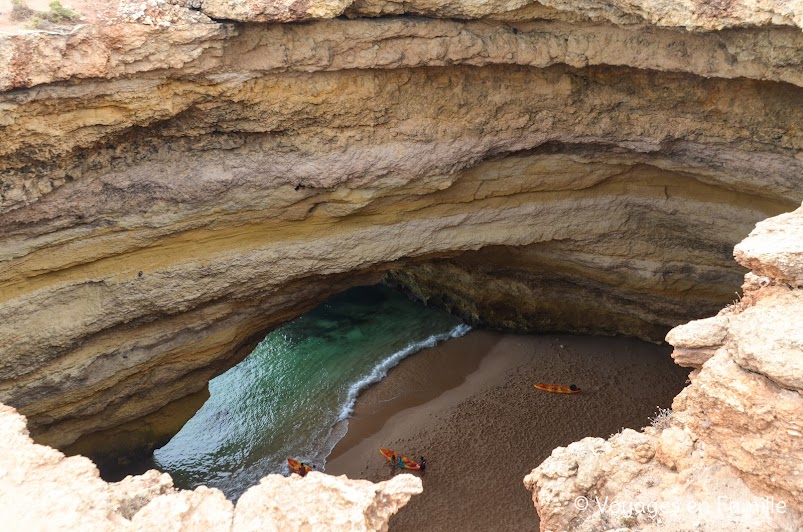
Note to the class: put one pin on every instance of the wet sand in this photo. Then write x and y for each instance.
(469, 407)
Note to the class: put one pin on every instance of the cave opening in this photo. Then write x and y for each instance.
(290, 397)
(371, 367)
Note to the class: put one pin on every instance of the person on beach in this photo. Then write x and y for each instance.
(395, 463)
(423, 463)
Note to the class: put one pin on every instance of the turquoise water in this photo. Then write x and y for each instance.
(292, 396)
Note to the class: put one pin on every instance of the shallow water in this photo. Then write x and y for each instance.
(292, 396)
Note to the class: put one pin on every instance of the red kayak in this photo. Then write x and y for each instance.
(299, 468)
(399, 460)
(556, 388)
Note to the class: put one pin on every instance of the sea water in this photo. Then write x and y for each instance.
(291, 398)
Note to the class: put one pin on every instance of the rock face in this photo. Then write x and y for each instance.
(728, 453)
(41, 489)
(696, 15)
(168, 194)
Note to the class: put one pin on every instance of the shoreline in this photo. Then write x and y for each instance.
(469, 407)
(412, 385)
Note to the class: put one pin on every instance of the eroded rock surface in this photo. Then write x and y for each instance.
(171, 191)
(729, 453)
(693, 15)
(41, 489)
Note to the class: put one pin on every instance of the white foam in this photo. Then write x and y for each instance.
(380, 370)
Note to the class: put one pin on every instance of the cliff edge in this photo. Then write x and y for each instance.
(41, 489)
(728, 454)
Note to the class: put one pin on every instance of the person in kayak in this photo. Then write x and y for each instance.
(423, 463)
(573, 387)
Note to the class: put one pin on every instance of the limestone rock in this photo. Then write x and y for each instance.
(161, 13)
(675, 448)
(134, 492)
(41, 489)
(692, 15)
(729, 454)
(273, 10)
(767, 338)
(200, 509)
(91, 51)
(775, 249)
(697, 341)
(595, 485)
(581, 468)
(471, 9)
(748, 422)
(745, 403)
(708, 332)
(278, 503)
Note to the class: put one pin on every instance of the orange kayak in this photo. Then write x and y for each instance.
(299, 468)
(556, 388)
(398, 460)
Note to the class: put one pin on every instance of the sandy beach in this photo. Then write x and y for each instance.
(468, 406)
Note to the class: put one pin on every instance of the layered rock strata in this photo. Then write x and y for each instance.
(41, 489)
(728, 454)
(168, 194)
